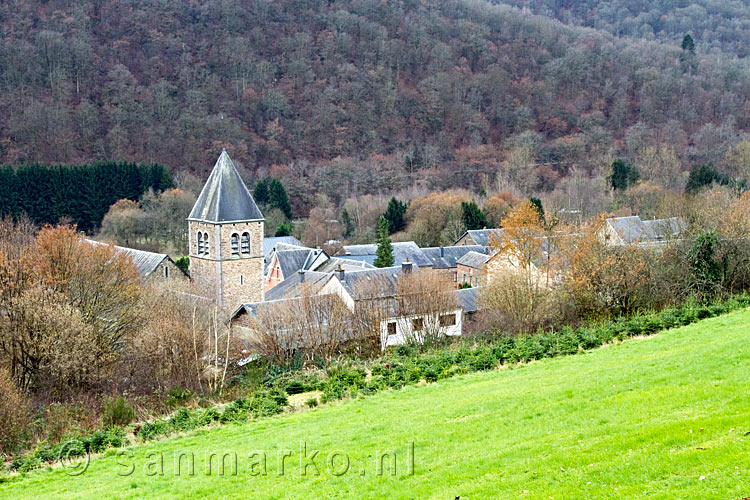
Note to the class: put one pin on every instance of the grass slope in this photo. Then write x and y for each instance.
(662, 417)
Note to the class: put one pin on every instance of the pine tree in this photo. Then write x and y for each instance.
(348, 223)
(538, 204)
(277, 198)
(394, 214)
(384, 252)
(623, 175)
(688, 61)
(260, 193)
(688, 44)
(703, 175)
(472, 216)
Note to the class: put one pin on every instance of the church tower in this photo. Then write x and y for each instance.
(226, 239)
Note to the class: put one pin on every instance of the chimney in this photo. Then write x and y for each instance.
(406, 266)
(442, 252)
(339, 272)
(301, 273)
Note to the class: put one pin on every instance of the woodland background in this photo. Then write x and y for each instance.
(349, 98)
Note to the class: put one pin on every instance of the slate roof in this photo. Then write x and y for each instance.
(144, 262)
(269, 244)
(482, 236)
(633, 229)
(225, 198)
(475, 260)
(291, 261)
(401, 251)
(333, 264)
(386, 279)
(293, 285)
(468, 299)
(446, 257)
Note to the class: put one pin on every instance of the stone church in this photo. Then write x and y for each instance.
(225, 230)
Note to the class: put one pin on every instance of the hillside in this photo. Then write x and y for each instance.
(351, 96)
(717, 26)
(660, 417)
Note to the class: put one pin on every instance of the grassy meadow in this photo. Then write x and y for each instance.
(661, 417)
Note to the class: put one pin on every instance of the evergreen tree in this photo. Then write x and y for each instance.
(688, 45)
(472, 215)
(688, 61)
(348, 223)
(623, 175)
(384, 252)
(394, 214)
(80, 193)
(703, 175)
(277, 198)
(707, 271)
(538, 204)
(260, 193)
(283, 230)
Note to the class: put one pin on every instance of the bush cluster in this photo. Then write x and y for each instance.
(261, 404)
(74, 446)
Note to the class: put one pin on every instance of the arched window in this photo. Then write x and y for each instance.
(200, 243)
(206, 247)
(235, 240)
(245, 242)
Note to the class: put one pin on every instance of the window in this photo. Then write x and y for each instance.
(166, 272)
(448, 320)
(245, 243)
(200, 243)
(455, 276)
(206, 247)
(392, 328)
(235, 243)
(242, 280)
(464, 277)
(417, 324)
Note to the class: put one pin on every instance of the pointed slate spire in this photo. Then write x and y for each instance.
(225, 198)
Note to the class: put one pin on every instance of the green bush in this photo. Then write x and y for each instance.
(311, 403)
(178, 396)
(295, 387)
(117, 412)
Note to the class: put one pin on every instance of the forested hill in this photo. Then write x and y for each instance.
(717, 25)
(281, 81)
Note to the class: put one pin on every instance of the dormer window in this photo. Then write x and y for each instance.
(245, 248)
(235, 240)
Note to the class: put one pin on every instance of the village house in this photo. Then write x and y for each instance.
(151, 266)
(471, 269)
(483, 237)
(287, 260)
(633, 230)
(378, 287)
(402, 251)
(445, 259)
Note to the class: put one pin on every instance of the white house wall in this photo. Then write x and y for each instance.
(404, 332)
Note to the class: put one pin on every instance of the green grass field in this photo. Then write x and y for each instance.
(661, 417)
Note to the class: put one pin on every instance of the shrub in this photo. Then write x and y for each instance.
(264, 405)
(178, 396)
(15, 415)
(117, 412)
(295, 387)
(311, 403)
